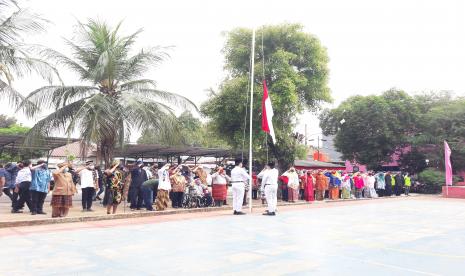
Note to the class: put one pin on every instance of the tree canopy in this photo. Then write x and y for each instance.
(370, 129)
(112, 99)
(16, 59)
(294, 65)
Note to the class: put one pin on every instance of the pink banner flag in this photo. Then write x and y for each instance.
(447, 153)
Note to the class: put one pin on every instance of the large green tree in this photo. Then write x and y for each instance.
(16, 59)
(369, 129)
(295, 67)
(113, 98)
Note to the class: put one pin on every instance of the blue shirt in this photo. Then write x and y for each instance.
(10, 176)
(40, 179)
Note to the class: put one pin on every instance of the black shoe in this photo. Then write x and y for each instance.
(90, 210)
(151, 210)
(240, 213)
(16, 211)
(272, 214)
(235, 213)
(84, 210)
(41, 213)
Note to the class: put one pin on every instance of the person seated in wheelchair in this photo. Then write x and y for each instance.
(203, 192)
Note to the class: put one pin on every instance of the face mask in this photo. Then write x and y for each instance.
(91, 167)
(66, 170)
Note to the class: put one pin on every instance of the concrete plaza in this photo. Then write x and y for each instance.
(399, 236)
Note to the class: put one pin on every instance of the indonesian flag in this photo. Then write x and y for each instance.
(447, 153)
(267, 113)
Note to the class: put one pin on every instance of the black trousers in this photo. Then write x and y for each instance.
(8, 193)
(136, 197)
(24, 196)
(254, 194)
(37, 199)
(177, 199)
(87, 195)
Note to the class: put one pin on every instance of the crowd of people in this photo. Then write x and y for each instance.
(156, 187)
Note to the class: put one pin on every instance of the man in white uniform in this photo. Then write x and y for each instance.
(238, 179)
(270, 185)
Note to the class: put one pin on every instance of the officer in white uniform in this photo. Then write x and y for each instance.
(238, 179)
(270, 185)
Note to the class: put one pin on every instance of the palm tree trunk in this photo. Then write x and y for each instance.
(106, 150)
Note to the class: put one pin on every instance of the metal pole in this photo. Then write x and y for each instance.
(318, 148)
(251, 116)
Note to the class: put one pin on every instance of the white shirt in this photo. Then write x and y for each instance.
(270, 177)
(239, 174)
(148, 172)
(87, 178)
(24, 175)
(209, 179)
(164, 179)
(220, 179)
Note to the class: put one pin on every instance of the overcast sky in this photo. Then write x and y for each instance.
(372, 45)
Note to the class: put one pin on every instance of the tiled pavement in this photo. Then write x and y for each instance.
(403, 236)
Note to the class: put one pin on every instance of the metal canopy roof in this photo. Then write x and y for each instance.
(155, 150)
(315, 164)
(45, 143)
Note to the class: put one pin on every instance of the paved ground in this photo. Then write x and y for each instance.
(402, 236)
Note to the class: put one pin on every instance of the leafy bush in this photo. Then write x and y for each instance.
(431, 181)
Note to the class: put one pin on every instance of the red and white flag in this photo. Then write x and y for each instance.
(447, 153)
(267, 113)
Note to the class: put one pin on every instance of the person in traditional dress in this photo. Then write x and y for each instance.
(114, 187)
(164, 187)
(359, 184)
(370, 179)
(320, 185)
(334, 183)
(178, 185)
(63, 191)
(380, 184)
(239, 177)
(307, 180)
(292, 184)
(270, 187)
(399, 184)
(220, 186)
(388, 187)
(346, 186)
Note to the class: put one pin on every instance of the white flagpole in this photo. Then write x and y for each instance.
(252, 64)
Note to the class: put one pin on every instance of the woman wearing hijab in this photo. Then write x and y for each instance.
(346, 185)
(292, 184)
(219, 186)
(63, 191)
(320, 185)
(307, 180)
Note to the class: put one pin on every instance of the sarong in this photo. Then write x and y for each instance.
(345, 193)
(334, 193)
(219, 192)
(62, 201)
(162, 200)
(293, 194)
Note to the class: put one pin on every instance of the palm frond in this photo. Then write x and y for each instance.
(57, 120)
(53, 97)
(164, 96)
(6, 91)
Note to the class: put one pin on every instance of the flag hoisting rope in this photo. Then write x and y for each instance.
(250, 122)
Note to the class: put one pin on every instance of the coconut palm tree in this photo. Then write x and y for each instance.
(111, 101)
(15, 56)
